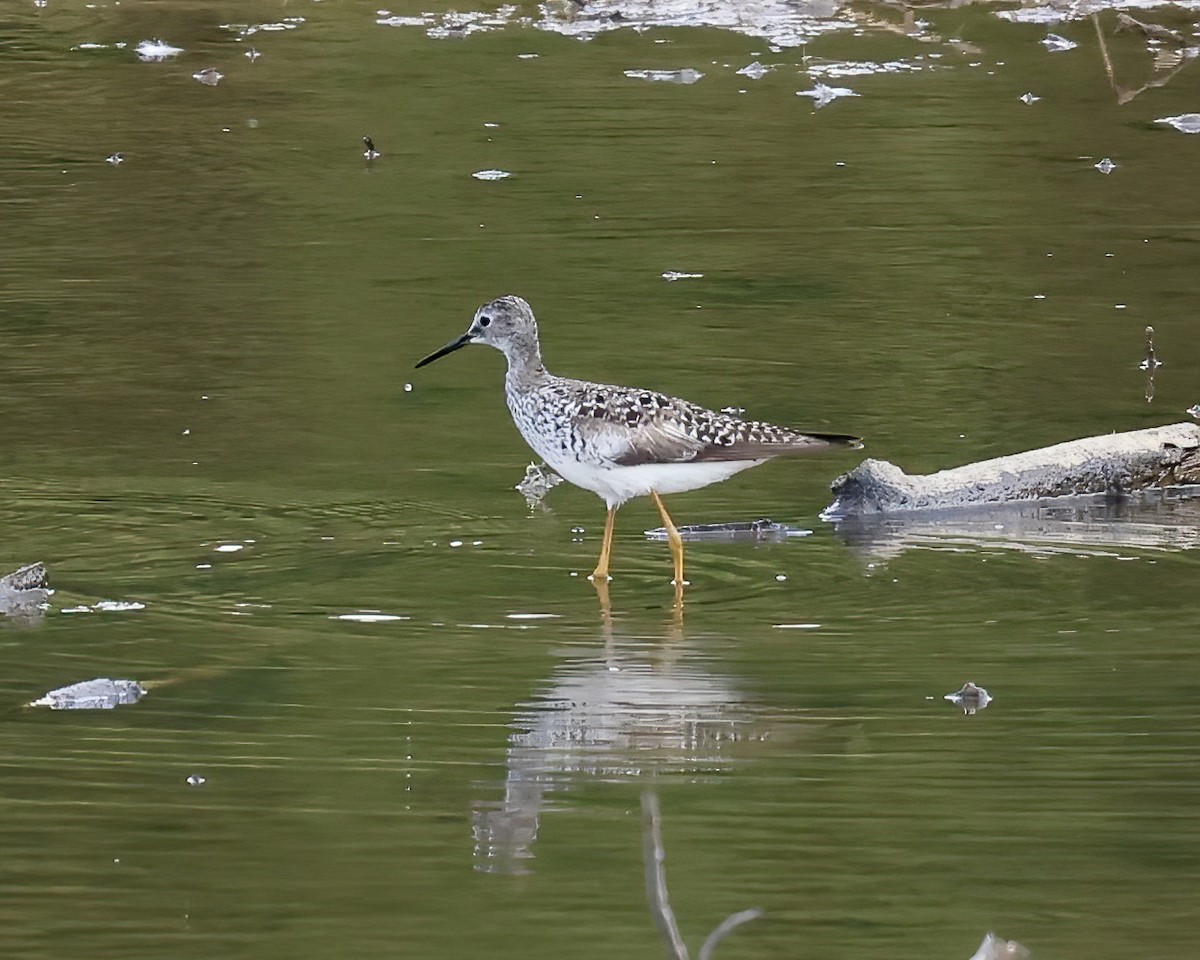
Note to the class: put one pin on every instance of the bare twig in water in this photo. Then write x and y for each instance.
(654, 856)
(1126, 94)
(726, 927)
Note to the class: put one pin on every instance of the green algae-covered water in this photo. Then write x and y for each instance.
(409, 728)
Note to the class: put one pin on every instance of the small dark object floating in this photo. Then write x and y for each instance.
(971, 698)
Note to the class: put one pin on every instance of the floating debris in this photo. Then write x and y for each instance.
(98, 694)
(195, 780)
(822, 94)
(118, 606)
(971, 698)
(538, 481)
(252, 54)
(1056, 44)
(1029, 98)
(781, 22)
(1184, 123)
(491, 174)
(1151, 361)
(209, 76)
(115, 158)
(106, 606)
(672, 275)
(370, 153)
(685, 76)
(244, 30)
(755, 71)
(1152, 31)
(32, 576)
(1150, 364)
(1193, 411)
(152, 51)
(369, 616)
(25, 592)
(1105, 166)
(452, 25)
(761, 529)
(863, 68)
(993, 948)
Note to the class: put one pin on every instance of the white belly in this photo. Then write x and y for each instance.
(615, 485)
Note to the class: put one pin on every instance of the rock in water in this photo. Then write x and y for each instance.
(98, 694)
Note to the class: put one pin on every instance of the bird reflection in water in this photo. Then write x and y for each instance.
(629, 713)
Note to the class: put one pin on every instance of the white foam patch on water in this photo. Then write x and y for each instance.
(782, 22)
(684, 76)
(534, 616)
(118, 606)
(249, 29)
(229, 547)
(822, 94)
(1082, 9)
(155, 50)
(1184, 123)
(491, 174)
(672, 275)
(106, 606)
(777, 21)
(862, 68)
(369, 616)
(454, 25)
(796, 626)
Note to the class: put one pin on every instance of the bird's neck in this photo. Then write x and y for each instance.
(525, 364)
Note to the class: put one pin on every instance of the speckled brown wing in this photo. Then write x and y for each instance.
(629, 427)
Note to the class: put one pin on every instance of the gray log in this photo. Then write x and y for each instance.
(1113, 464)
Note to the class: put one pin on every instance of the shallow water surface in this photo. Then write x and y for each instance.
(386, 712)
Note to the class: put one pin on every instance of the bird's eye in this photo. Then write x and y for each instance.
(485, 321)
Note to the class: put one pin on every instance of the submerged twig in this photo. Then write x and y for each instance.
(1126, 94)
(725, 928)
(654, 856)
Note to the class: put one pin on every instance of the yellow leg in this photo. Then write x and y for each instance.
(674, 539)
(600, 574)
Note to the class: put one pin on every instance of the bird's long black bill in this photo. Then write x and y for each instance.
(448, 348)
